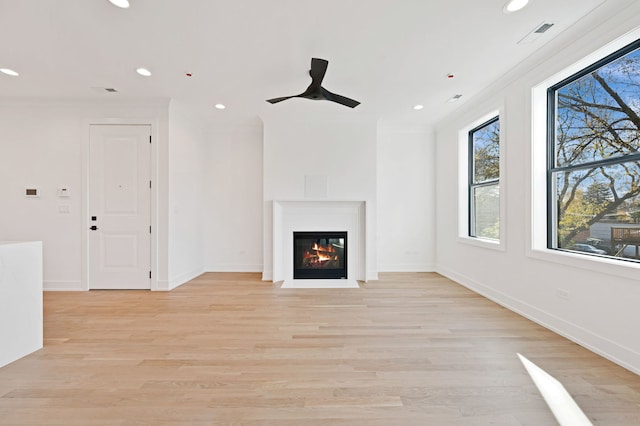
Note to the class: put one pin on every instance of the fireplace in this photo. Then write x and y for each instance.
(323, 215)
(319, 255)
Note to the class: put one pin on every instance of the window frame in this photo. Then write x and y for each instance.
(471, 173)
(536, 190)
(551, 165)
(463, 180)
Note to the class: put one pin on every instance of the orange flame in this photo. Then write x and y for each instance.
(321, 253)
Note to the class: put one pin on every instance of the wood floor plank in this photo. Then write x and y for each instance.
(227, 348)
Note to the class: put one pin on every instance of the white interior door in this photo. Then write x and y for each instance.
(119, 236)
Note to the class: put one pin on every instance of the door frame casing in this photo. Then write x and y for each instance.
(86, 140)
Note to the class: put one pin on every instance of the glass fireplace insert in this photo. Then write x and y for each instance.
(319, 255)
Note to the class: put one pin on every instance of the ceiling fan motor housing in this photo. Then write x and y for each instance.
(315, 91)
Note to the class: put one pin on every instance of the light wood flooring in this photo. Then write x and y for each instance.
(229, 349)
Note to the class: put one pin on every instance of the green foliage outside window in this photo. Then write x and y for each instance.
(484, 185)
(595, 175)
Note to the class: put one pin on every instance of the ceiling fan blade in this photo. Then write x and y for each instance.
(315, 91)
(342, 100)
(276, 100)
(317, 72)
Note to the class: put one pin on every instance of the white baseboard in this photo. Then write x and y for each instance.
(372, 276)
(234, 268)
(425, 267)
(600, 345)
(162, 285)
(50, 285)
(183, 278)
(267, 275)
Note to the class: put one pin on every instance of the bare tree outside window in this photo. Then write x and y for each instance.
(484, 180)
(595, 170)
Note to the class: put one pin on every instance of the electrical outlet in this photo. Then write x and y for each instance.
(562, 294)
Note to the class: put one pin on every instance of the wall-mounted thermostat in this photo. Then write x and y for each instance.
(32, 192)
(63, 192)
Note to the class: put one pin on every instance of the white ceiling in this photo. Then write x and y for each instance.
(389, 55)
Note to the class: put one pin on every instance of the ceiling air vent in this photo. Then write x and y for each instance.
(536, 33)
(104, 89)
(543, 28)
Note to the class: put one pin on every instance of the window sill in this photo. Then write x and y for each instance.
(482, 242)
(604, 265)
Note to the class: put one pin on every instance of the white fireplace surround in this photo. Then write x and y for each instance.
(298, 216)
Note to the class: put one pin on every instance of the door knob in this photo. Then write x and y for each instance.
(94, 228)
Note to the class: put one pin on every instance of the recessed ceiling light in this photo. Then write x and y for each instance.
(143, 71)
(8, 71)
(220, 106)
(514, 5)
(120, 3)
(418, 107)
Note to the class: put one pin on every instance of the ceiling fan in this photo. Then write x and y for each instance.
(315, 91)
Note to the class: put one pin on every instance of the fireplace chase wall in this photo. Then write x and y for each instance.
(290, 217)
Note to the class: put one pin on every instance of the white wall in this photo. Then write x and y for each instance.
(393, 166)
(187, 195)
(344, 151)
(41, 144)
(21, 314)
(602, 310)
(233, 222)
(406, 199)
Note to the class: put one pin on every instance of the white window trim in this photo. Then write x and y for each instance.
(537, 246)
(463, 184)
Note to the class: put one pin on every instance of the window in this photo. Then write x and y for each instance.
(593, 164)
(484, 180)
